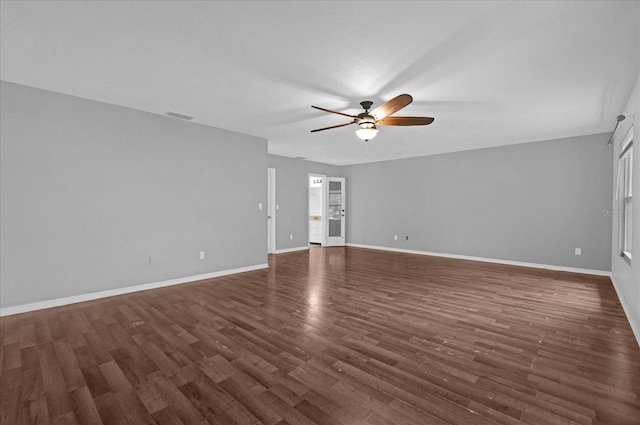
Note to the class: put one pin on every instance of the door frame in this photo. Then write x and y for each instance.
(271, 210)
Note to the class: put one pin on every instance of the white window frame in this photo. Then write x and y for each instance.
(625, 198)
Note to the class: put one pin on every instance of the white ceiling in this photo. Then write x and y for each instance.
(491, 73)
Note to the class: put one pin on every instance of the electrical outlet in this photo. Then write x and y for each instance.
(406, 238)
(290, 237)
(395, 237)
(578, 251)
(202, 255)
(152, 260)
(260, 206)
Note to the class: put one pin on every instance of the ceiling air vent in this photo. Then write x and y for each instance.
(181, 116)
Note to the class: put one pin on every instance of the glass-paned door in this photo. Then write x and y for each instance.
(336, 211)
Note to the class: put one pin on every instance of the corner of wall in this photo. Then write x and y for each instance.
(625, 276)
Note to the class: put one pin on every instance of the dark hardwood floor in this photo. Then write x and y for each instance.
(333, 336)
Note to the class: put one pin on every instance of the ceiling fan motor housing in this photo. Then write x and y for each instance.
(364, 120)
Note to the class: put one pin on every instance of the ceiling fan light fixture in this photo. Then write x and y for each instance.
(367, 131)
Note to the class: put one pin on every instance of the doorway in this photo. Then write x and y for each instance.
(316, 209)
(327, 211)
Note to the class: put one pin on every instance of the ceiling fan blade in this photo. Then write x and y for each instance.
(333, 126)
(405, 121)
(333, 112)
(391, 106)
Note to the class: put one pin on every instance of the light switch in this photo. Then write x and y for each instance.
(260, 206)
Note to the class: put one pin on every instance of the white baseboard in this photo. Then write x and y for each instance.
(24, 308)
(298, 248)
(489, 260)
(633, 321)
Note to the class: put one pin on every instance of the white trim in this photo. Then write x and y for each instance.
(489, 260)
(284, 251)
(634, 322)
(271, 210)
(6, 311)
(628, 138)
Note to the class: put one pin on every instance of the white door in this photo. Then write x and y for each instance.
(271, 210)
(335, 212)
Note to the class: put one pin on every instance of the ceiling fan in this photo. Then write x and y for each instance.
(368, 121)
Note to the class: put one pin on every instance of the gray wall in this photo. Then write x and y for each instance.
(533, 202)
(625, 275)
(292, 177)
(90, 190)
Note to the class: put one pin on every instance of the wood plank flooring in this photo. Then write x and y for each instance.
(333, 336)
